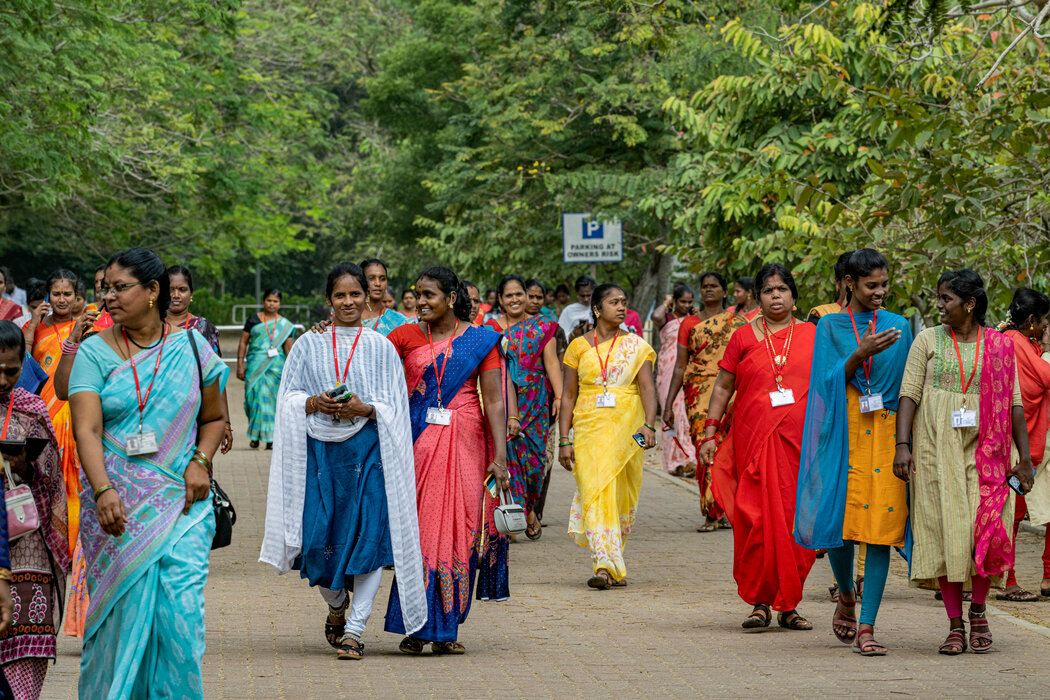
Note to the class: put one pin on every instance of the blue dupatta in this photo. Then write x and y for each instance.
(820, 504)
(466, 353)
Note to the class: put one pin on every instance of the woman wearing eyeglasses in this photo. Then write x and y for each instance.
(148, 420)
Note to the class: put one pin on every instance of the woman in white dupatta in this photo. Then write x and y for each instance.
(342, 495)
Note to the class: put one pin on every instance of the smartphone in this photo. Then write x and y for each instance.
(47, 298)
(490, 484)
(640, 439)
(340, 394)
(1015, 483)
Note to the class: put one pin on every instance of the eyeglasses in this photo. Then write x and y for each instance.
(118, 288)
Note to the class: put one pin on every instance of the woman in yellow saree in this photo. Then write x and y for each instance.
(608, 398)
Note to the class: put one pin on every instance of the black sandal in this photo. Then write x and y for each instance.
(334, 631)
(346, 652)
(759, 617)
(448, 648)
(411, 646)
(791, 620)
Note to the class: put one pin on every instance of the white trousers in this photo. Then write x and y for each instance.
(366, 586)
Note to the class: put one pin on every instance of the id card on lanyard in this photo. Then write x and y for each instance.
(335, 359)
(439, 415)
(144, 442)
(869, 402)
(782, 396)
(605, 399)
(271, 351)
(965, 418)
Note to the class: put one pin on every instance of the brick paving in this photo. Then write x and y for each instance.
(674, 631)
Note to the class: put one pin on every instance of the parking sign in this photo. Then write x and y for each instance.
(590, 240)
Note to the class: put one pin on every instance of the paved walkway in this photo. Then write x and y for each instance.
(674, 631)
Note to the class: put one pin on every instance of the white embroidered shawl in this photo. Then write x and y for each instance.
(378, 377)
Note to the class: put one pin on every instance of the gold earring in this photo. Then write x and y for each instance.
(151, 303)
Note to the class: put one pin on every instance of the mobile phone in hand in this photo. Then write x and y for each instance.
(1015, 483)
(340, 394)
(640, 439)
(490, 484)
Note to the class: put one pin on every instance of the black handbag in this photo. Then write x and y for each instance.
(225, 514)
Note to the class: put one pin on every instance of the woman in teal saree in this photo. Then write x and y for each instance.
(264, 345)
(146, 521)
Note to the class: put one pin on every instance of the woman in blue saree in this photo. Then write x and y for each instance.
(264, 345)
(455, 446)
(147, 521)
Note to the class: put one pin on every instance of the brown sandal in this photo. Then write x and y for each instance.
(447, 648)
(979, 619)
(868, 647)
(411, 646)
(601, 580)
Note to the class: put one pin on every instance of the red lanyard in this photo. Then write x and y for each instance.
(186, 324)
(440, 375)
(378, 319)
(7, 419)
(605, 365)
(266, 325)
(867, 363)
(778, 368)
(335, 356)
(976, 357)
(138, 391)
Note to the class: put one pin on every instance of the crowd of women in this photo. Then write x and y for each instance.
(407, 440)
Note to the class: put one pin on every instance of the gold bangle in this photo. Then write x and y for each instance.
(5, 575)
(101, 490)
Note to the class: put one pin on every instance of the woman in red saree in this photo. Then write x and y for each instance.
(1028, 320)
(456, 445)
(767, 363)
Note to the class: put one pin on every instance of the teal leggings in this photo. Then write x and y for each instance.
(876, 568)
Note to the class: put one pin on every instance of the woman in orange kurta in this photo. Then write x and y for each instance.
(767, 364)
(48, 335)
(1028, 322)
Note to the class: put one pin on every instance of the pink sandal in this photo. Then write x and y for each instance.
(955, 643)
(841, 619)
(981, 621)
(869, 647)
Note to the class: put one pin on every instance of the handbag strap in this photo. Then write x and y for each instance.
(8, 474)
(197, 359)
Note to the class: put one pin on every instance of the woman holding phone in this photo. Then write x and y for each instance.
(609, 402)
(960, 407)
(342, 471)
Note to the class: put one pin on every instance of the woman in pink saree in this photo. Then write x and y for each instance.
(679, 454)
(446, 357)
(959, 404)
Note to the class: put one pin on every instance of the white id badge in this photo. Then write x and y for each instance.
(870, 403)
(964, 418)
(782, 397)
(272, 352)
(606, 400)
(141, 443)
(439, 416)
